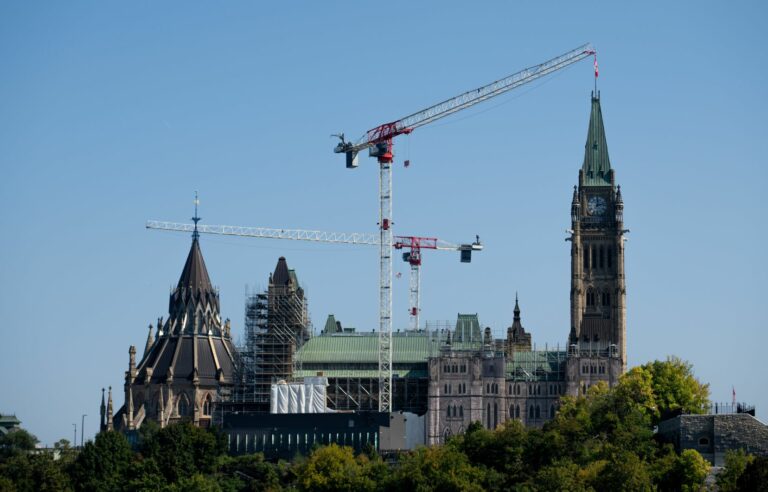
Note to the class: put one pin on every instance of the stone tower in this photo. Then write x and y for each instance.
(597, 339)
(187, 368)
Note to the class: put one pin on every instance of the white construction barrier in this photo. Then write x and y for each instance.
(306, 397)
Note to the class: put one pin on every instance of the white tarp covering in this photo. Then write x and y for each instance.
(306, 397)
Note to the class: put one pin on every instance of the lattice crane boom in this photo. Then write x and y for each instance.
(413, 243)
(407, 124)
(270, 233)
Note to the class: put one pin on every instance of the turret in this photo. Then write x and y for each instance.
(132, 362)
(110, 407)
(102, 413)
(150, 340)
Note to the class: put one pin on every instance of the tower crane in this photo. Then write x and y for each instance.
(414, 245)
(379, 141)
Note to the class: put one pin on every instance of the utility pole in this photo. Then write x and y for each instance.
(74, 440)
(82, 429)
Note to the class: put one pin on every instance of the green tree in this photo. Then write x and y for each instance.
(197, 482)
(248, 472)
(755, 476)
(561, 476)
(735, 464)
(16, 441)
(442, 468)
(675, 388)
(182, 450)
(624, 472)
(692, 469)
(144, 474)
(501, 452)
(334, 467)
(103, 463)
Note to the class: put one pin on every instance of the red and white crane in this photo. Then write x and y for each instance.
(414, 245)
(379, 141)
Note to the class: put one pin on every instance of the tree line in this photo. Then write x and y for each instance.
(603, 441)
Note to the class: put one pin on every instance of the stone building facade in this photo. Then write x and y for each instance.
(713, 435)
(187, 365)
(509, 380)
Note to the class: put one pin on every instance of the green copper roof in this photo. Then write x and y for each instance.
(596, 165)
(330, 325)
(361, 348)
(467, 329)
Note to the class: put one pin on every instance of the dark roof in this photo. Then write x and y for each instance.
(194, 286)
(596, 165)
(282, 275)
(176, 355)
(517, 325)
(195, 274)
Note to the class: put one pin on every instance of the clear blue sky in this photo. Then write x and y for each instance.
(114, 113)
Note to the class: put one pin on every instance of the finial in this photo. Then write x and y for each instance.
(596, 94)
(517, 308)
(196, 219)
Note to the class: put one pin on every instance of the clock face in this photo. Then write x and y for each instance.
(596, 205)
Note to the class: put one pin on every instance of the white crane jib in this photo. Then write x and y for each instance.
(413, 243)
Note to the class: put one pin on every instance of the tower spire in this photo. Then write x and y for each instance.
(103, 413)
(517, 309)
(150, 339)
(196, 219)
(596, 168)
(110, 425)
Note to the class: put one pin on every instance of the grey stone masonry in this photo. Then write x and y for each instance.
(713, 435)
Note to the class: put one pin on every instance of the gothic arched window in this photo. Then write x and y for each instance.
(207, 405)
(538, 412)
(183, 406)
(610, 257)
(594, 256)
(552, 411)
(517, 411)
(601, 257)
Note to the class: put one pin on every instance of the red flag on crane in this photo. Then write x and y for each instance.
(596, 70)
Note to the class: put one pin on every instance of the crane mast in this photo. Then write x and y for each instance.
(379, 141)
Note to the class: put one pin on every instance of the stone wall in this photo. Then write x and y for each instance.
(713, 435)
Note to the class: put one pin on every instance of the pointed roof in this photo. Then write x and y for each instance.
(282, 275)
(195, 274)
(596, 165)
(331, 325)
(517, 325)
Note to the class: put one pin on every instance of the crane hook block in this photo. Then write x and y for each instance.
(352, 162)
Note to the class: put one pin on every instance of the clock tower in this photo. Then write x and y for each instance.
(597, 339)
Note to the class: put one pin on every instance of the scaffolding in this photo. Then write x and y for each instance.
(276, 326)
